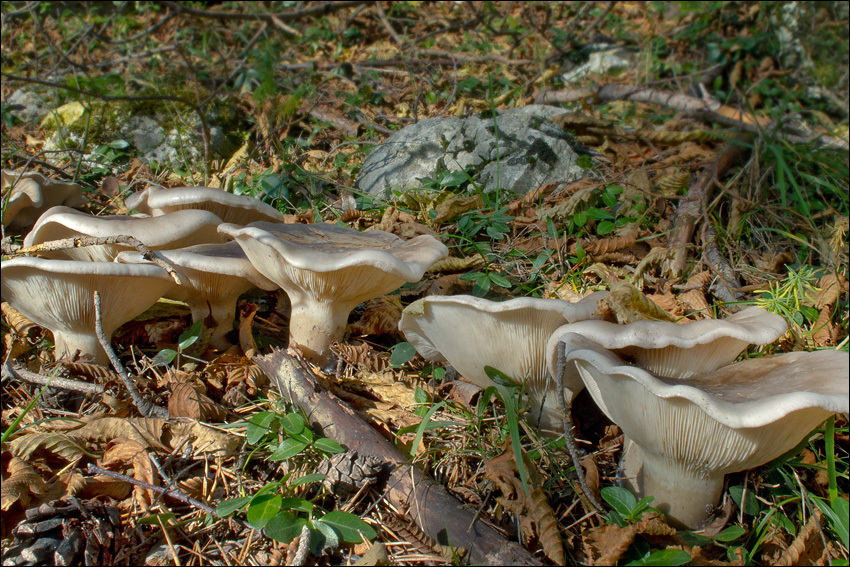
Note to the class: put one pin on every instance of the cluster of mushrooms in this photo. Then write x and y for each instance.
(689, 414)
(326, 270)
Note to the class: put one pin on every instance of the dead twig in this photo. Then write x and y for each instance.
(431, 506)
(146, 408)
(18, 373)
(80, 241)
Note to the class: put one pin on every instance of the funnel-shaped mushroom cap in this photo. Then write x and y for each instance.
(216, 275)
(327, 270)
(679, 351)
(471, 333)
(240, 209)
(691, 432)
(173, 230)
(32, 194)
(57, 294)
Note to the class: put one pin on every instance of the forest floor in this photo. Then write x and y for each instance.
(717, 179)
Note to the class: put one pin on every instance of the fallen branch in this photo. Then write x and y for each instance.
(439, 514)
(710, 110)
(699, 193)
(18, 373)
(80, 241)
(146, 408)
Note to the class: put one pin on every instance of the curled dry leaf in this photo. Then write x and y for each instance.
(18, 321)
(22, 482)
(380, 317)
(629, 304)
(532, 509)
(360, 357)
(63, 445)
(123, 454)
(606, 544)
(189, 400)
(831, 286)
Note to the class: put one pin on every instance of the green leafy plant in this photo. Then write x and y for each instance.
(789, 296)
(627, 508)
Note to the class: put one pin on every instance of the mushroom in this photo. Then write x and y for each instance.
(471, 333)
(216, 275)
(326, 270)
(690, 432)
(172, 230)
(32, 194)
(679, 350)
(240, 209)
(57, 294)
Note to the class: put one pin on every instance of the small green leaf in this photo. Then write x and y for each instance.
(164, 357)
(401, 354)
(287, 449)
(499, 280)
(232, 505)
(328, 445)
(604, 228)
(297, 505)
(420, 396)
(750, 506)
(664, 557)
(284, 526)
(119, 144)
(620, 499)
(580, 219)
(347, 525)
(262, 508)
(259, 426)
(322, 537)
(730, 534)
(190, 336)
(292, 423)
(153, 519)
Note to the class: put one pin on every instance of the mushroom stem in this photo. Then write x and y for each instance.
(67, 343)
(222, 315)
(684, 494)
(314, 325)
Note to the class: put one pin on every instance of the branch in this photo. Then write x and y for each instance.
(80, 241)
(18, 373)
(440, 515)
(147, 409)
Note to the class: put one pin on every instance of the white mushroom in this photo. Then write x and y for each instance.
(172, 230)
(239, 209)
(680, 350)
(327, 270)
(215, 276)
(32, 194)
(689, 433)
(57, 294)
(471, 333)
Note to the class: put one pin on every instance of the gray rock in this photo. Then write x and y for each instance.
(528, 152)
(605, 61)
(26, 106)
(143, 132)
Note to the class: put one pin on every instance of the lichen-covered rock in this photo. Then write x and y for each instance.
(518, 151)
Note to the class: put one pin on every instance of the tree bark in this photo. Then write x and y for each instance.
(438, 513)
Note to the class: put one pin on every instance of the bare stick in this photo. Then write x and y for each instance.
(80, 241)
(146, 408)
(568, 433)
(386, 22)
(18, 373)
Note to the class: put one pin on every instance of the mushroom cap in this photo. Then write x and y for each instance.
(471, 333)
(726, 420)
(326, 270)
(675, 350)
(32, 194)
(172, 230)
(231, 208)
(215, 276)
(57, 294)
(334, 261)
